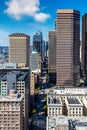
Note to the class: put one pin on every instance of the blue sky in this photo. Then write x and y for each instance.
(29, 16)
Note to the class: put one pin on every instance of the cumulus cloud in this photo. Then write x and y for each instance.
(41, 17)
(19, 8)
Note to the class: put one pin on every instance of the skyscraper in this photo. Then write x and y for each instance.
(52, 56)
(67, 48)
(37, 42)
(84, 43)
(19, 45)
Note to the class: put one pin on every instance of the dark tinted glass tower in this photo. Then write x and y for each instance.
(37, 42)
(52, 56)
(84, 43)
(68, 48)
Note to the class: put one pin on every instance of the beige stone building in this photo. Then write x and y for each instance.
(11, 112)
(19, 49)
(54, 110)
(73, 100)
(18, 80)
(74, 107)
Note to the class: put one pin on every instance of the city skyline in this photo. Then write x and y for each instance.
(29, 17)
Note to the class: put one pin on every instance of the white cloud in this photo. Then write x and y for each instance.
(19, 8)
(41, 17)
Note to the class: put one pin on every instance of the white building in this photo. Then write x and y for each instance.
(73, 101)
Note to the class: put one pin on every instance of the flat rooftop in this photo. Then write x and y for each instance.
(73, 101)
(54, 121)
(18, 98)
(81, 122)
(68, 11)
(53, 100)
(20, 75)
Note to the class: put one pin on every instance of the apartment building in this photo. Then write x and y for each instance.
(11, 112)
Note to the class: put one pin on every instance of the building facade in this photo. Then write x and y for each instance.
(84, 43)
(73, 102)
(67, 48)
(35, 62)
(20, 82)
(37, 42)
(11, 112)
(52, 56)
(19, 49)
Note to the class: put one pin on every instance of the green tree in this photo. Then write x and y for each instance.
(45, 98)
(33, 111)
(45, 107)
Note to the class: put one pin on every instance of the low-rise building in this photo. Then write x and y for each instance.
(75, 95)
(57, 123)
(54, 110)
(74, 107)
(63, 123)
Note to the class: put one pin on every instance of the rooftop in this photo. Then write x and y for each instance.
(11, 98)
(53, 100)
(53, 122)
(68, 11)
(21, 76)
(18, 35)
(73, 101)
(81, 122)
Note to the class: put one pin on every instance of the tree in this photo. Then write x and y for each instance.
(45, 98)
(33, 111)
(45, 107)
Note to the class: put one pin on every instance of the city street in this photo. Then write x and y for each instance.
(38, 120)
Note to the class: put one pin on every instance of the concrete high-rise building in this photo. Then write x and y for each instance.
(52, 56)
(19, 49)
(68, 48)
(20, 82)
(11, 112)
(37, 42)
(84, 43)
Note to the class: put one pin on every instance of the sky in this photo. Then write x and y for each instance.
(30, 16)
